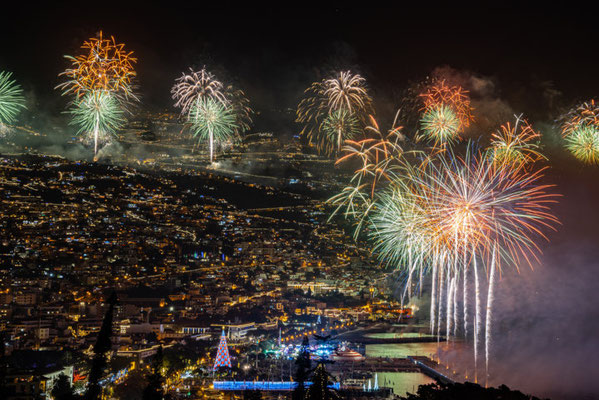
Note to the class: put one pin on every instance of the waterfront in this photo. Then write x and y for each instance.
(401, 350)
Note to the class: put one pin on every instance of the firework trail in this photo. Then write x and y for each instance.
(433, 297)
(455, 282)
(488, 319)
(345, 95)
(477, 316)
(12, 100)
(465, 268)
(449, 307)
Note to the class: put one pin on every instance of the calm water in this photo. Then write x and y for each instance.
(403, 382)
(401, 350)
(396, 335)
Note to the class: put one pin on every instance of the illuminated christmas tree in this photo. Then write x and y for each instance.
(222, 354)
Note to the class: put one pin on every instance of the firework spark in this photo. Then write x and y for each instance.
(207, 105)
(447, 215)
(12, 100)
(100, 81)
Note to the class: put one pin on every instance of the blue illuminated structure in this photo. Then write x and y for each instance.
(262, 385)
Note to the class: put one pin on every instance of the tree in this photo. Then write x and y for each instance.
(252, 395)
(466, 391)
(62, 389)
(321, 380)
(303, 364)
(133, 386)
(101, 348)
(154, 390)
(3, 366)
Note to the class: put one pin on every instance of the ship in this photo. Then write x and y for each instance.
(346, 354)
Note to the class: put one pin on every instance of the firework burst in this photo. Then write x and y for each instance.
(100, 81)
(344, 93)
(447, 217)
(580, 129)
(12, 100)
(374, 159)
(105, 65)
(440, 124)
(338, 126)
(194, 85)
(446, 112)
(207, 105)
(516, 145)
(212, 121)
(450, 212)
(583, 143)
(98, 114)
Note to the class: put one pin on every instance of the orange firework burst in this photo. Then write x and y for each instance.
(515, 145)
(586, 114)
(580, 129)
(104, 65)
(455, 97)
(375, 159)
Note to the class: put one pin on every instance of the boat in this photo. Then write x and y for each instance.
(346, 354)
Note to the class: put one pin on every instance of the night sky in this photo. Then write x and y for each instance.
(274, 53)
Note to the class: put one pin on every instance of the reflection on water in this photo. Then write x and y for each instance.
(401, 350)
(396, 335)
(403, 382)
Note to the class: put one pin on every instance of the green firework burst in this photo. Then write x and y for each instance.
(12, 100)
(583, 143)
(440, 124)
(213, 121)
(98, 113)
(339, 126)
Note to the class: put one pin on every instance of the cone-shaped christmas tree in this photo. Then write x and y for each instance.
(222, 354)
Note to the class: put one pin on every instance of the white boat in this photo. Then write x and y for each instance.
(345, 354)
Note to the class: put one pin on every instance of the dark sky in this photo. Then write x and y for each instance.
(273, 53)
